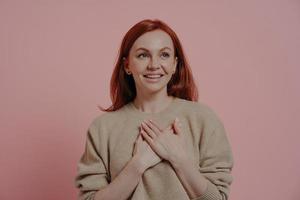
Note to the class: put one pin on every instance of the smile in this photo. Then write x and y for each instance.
(153, 78)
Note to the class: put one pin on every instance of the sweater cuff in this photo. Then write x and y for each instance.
(211, 193)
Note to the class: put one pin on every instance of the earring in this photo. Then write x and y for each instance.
(127, 72)
(176, 65)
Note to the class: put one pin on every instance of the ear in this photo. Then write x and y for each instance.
(175, 65)
(125, 64)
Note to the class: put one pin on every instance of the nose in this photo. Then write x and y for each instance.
(154, 64)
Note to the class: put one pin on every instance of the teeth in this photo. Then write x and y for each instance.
(153, 76)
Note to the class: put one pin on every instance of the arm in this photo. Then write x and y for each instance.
(92, 177)
(124, 184)
(192, 180)
(210, 180)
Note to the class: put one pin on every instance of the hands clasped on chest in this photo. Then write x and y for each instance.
(155, 143)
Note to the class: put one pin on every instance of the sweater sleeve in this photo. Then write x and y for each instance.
(91, 171)
(216, 163)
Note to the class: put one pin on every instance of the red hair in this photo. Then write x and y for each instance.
(122, 85)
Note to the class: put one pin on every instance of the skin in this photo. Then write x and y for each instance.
(171, 145)
(154, 143)
(152, 97)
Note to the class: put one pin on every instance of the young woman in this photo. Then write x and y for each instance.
(155, 141)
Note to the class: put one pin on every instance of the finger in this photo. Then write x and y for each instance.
(177, 126)
(169, 127)
(154, 127)
(146, 137)
(140, 138)
(148, 130)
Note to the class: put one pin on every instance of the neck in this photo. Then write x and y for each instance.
(152, 103)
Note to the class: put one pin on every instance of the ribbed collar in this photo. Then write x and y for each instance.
(169, 110)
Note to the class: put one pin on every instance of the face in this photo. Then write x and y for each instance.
(151, 61)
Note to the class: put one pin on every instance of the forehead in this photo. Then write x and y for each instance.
(154, 40)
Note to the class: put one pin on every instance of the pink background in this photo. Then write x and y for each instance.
(57, 57)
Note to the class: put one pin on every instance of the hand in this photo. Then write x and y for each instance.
(169, 143)
(146, 156)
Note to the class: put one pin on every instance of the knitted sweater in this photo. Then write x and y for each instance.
(110, 141)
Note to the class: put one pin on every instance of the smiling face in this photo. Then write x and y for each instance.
(152, 62)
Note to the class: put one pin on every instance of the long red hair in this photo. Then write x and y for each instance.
(122, 86)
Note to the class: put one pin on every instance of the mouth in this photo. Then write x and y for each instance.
(153, 76)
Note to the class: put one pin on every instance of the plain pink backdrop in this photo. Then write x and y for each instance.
(57, 57)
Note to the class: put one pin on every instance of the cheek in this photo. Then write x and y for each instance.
(138, 66)
(169, 67)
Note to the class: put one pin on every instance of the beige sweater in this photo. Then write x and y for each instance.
(110, 142)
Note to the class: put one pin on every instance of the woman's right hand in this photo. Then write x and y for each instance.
(144, 153)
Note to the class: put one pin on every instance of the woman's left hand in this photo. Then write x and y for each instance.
(169, 143)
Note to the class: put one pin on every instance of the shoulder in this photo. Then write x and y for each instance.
(202, 111)
(197, 107)
(108, 119)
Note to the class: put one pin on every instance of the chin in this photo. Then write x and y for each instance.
(153, 88)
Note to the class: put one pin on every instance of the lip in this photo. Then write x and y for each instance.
(153, 80)
(153, 74)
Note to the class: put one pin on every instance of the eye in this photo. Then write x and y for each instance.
(166, 55)
(143, 55)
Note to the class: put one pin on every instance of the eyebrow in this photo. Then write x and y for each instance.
(142, 48)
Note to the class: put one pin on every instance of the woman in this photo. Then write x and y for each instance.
(156, 141)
